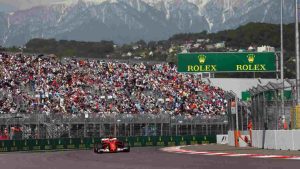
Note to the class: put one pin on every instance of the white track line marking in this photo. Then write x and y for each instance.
(237, 155)
(294, 158)
(266, 156)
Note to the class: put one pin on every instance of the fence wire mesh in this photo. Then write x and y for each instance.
(271, 111)
(61, 126)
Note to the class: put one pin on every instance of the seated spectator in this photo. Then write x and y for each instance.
(74, 87)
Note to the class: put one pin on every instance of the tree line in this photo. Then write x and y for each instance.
(64, 48)
(254, 34)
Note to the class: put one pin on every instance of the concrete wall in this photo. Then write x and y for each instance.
(241, 142)
(238, 85)
(231, 138)
(276, 139)
(222, 139)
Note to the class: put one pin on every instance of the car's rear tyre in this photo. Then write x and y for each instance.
(127, 147)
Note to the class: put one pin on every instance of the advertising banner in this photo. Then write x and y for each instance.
(226, 62)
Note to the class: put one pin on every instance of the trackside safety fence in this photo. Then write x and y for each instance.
(88, 143)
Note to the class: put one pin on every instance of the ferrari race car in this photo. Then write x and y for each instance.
(111, 145)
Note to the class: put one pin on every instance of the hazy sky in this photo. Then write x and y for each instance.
(23, 4)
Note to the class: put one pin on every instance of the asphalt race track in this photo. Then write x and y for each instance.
(138, 158)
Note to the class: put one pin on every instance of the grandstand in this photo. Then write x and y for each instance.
(50, 98)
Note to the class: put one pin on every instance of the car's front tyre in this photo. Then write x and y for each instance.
(97, 148)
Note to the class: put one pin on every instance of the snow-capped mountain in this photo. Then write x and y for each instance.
(125, 21)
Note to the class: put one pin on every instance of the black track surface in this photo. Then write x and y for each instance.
(138, 158)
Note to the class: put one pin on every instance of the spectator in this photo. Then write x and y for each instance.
(73, 87)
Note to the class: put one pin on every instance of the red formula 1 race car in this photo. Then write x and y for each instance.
(111, 145)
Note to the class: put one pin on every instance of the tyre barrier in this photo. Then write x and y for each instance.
(88, 143)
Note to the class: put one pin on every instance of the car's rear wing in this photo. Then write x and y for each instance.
(108, 139)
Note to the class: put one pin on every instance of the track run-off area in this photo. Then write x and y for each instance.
(138, 158)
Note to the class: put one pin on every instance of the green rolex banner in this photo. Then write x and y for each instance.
(227, 62)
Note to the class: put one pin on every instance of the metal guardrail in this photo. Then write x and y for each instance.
(88, 143)
(100, 125)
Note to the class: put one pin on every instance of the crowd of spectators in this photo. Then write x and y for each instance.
(4, 134)
(70, 86)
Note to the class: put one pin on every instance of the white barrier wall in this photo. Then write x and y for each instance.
(270, 144)
(222, 139)
(231, 138)
(296, 138)
(276, 139)
(257, 137)
(241, 142)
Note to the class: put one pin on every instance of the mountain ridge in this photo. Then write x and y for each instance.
(125, 21)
